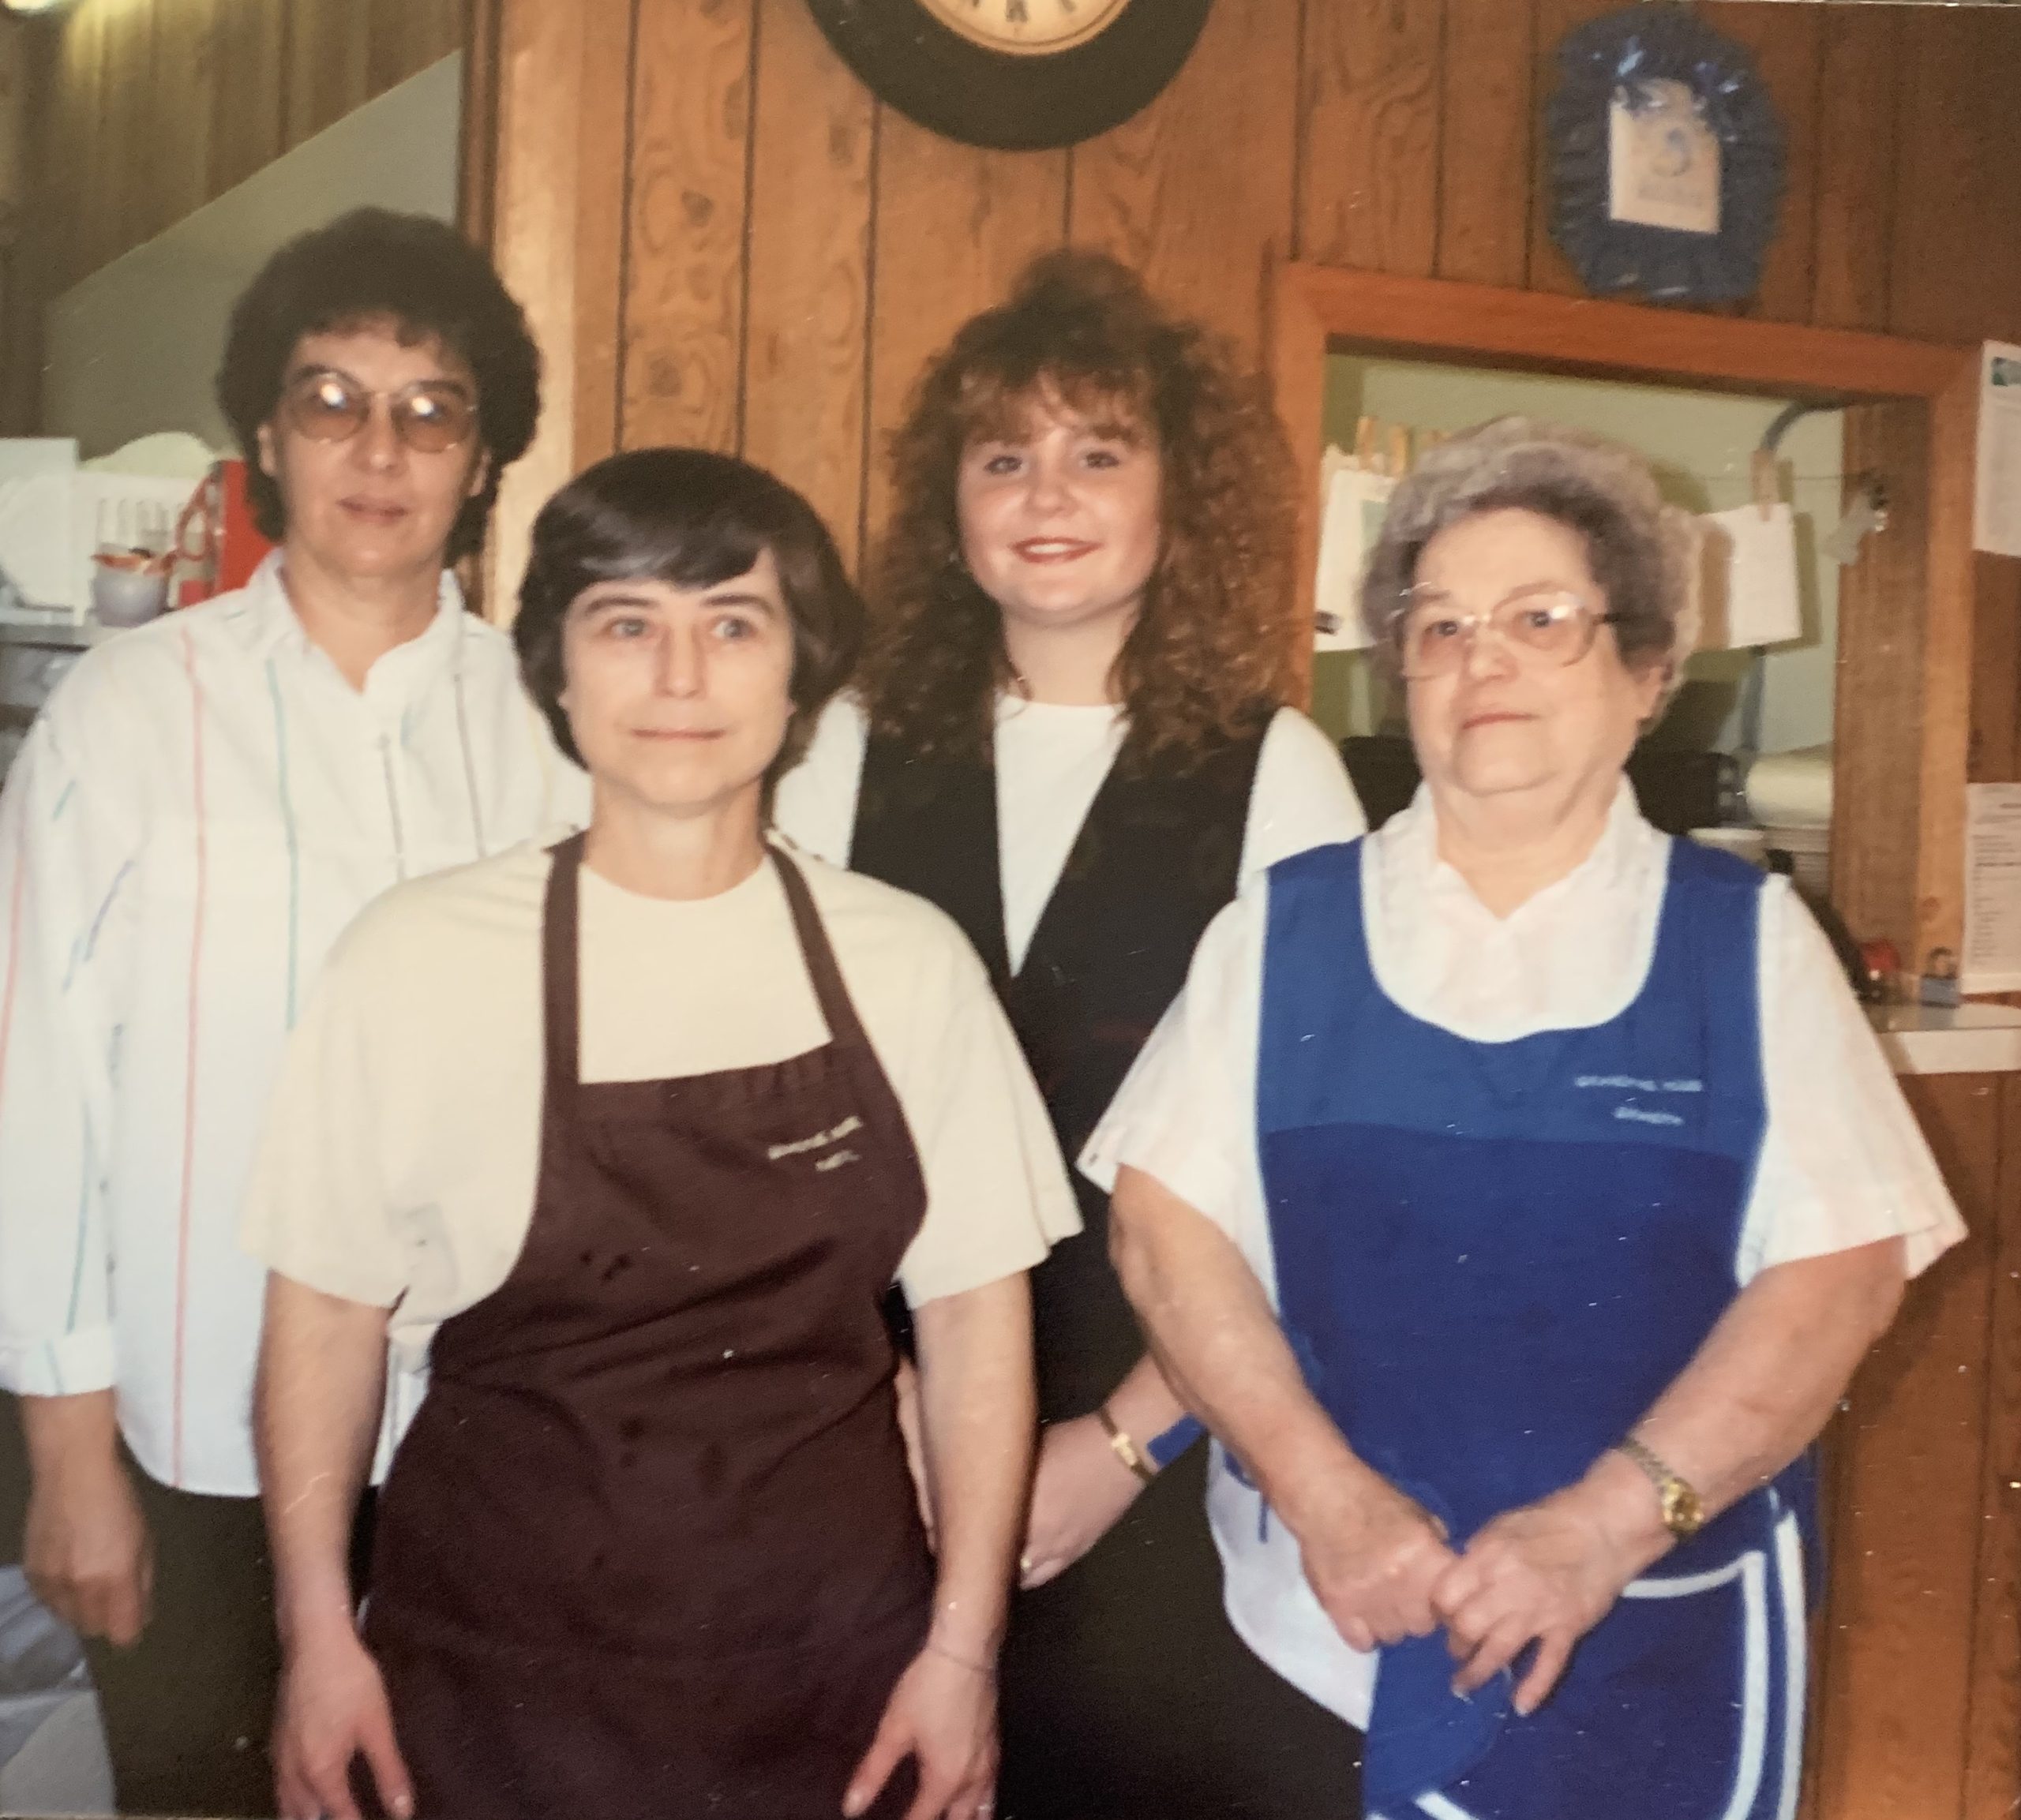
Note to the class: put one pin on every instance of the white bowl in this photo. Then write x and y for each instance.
(127, 597)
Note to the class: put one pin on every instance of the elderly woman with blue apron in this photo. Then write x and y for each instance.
(628, 1138)
(1513, 1191)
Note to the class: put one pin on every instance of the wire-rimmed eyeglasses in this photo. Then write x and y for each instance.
(429, 417)
(1432, 635)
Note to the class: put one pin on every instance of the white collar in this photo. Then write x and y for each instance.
(1410, 859)
(268, 622)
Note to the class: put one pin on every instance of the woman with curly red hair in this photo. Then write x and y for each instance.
(1070, 731)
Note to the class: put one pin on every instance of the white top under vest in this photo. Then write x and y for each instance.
(1050, 762)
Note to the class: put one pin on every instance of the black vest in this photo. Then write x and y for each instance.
(1156, 857)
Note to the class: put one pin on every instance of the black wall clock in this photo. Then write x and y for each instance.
(1013, 74)
(1665, 158)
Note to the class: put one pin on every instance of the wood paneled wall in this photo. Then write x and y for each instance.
(758, 257)
(791, 251)
(154, 107)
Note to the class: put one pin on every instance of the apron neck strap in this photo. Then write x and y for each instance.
(560, 963)
(560, 986)
(838, 1009)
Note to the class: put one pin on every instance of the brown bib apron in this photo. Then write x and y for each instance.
(650, 1546)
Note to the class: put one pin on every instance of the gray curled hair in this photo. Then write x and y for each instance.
(1644, 552)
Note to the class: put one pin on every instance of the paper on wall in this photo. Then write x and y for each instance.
(1996, 500)
(1992, 960)
(1751, 591)
(1662, 158)
(1355, 501)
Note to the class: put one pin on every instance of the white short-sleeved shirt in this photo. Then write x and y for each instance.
(399, 1160)
(1843, 1162)
(1050, 762)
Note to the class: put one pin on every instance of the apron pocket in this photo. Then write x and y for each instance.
(1665, 1713)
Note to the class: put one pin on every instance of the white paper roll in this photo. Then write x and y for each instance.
(1791, 789)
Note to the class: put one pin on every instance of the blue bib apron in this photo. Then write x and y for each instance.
(1492, 1259)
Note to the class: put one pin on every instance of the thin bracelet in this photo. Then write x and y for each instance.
(1123, 1448)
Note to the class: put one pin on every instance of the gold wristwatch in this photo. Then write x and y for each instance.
(1684, 1511)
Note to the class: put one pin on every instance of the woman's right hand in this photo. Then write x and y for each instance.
(86, 1552)
(333, 1708)
(1372, 1560)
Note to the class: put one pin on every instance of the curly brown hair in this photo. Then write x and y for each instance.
(1213, 648)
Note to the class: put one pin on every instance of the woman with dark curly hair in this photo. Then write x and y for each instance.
(204, 803)
(1070, 731)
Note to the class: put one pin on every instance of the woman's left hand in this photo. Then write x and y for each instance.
(943, 1715)
(1546, 1574)
(1078, 1491)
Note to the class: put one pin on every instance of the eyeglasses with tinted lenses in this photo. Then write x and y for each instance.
(1542, 626)
(429, 417)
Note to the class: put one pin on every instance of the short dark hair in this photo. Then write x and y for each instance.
(375, 265)
(692, 518)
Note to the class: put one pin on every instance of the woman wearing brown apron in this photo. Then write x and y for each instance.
(632, 1135)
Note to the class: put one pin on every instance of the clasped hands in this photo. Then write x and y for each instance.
(1383, 1570)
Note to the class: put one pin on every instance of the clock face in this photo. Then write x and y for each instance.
(1035, 27)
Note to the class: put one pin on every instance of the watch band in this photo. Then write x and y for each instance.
(1683, 1511)
(1125, 1449)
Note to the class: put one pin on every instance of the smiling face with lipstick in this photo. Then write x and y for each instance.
(1059, 525)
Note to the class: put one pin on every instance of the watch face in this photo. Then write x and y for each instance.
(1684, 1515)
(1035, 27)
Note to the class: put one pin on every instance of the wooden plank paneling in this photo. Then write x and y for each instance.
(329, 63)
(954, 226)
(1993, 1756)
(183, 85)
(159, 106)
(1784, 41)
(1170, 193)
(1995, 740)
(247, 98)
(558, 241)
(124, 125)
(1549, 269)
(683, 312)
(1902, 1587)
(807, 340)
(1878, 686)
(26, 70)
(1860, 53)
(1485, 128)
(404, 37)
(72, 153)
(1956, 266)
(1948, 468)
(1371, 108)
(1526, 330)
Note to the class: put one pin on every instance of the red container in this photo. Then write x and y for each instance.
(221, 548)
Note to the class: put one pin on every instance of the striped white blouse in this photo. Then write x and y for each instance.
(202, 807)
